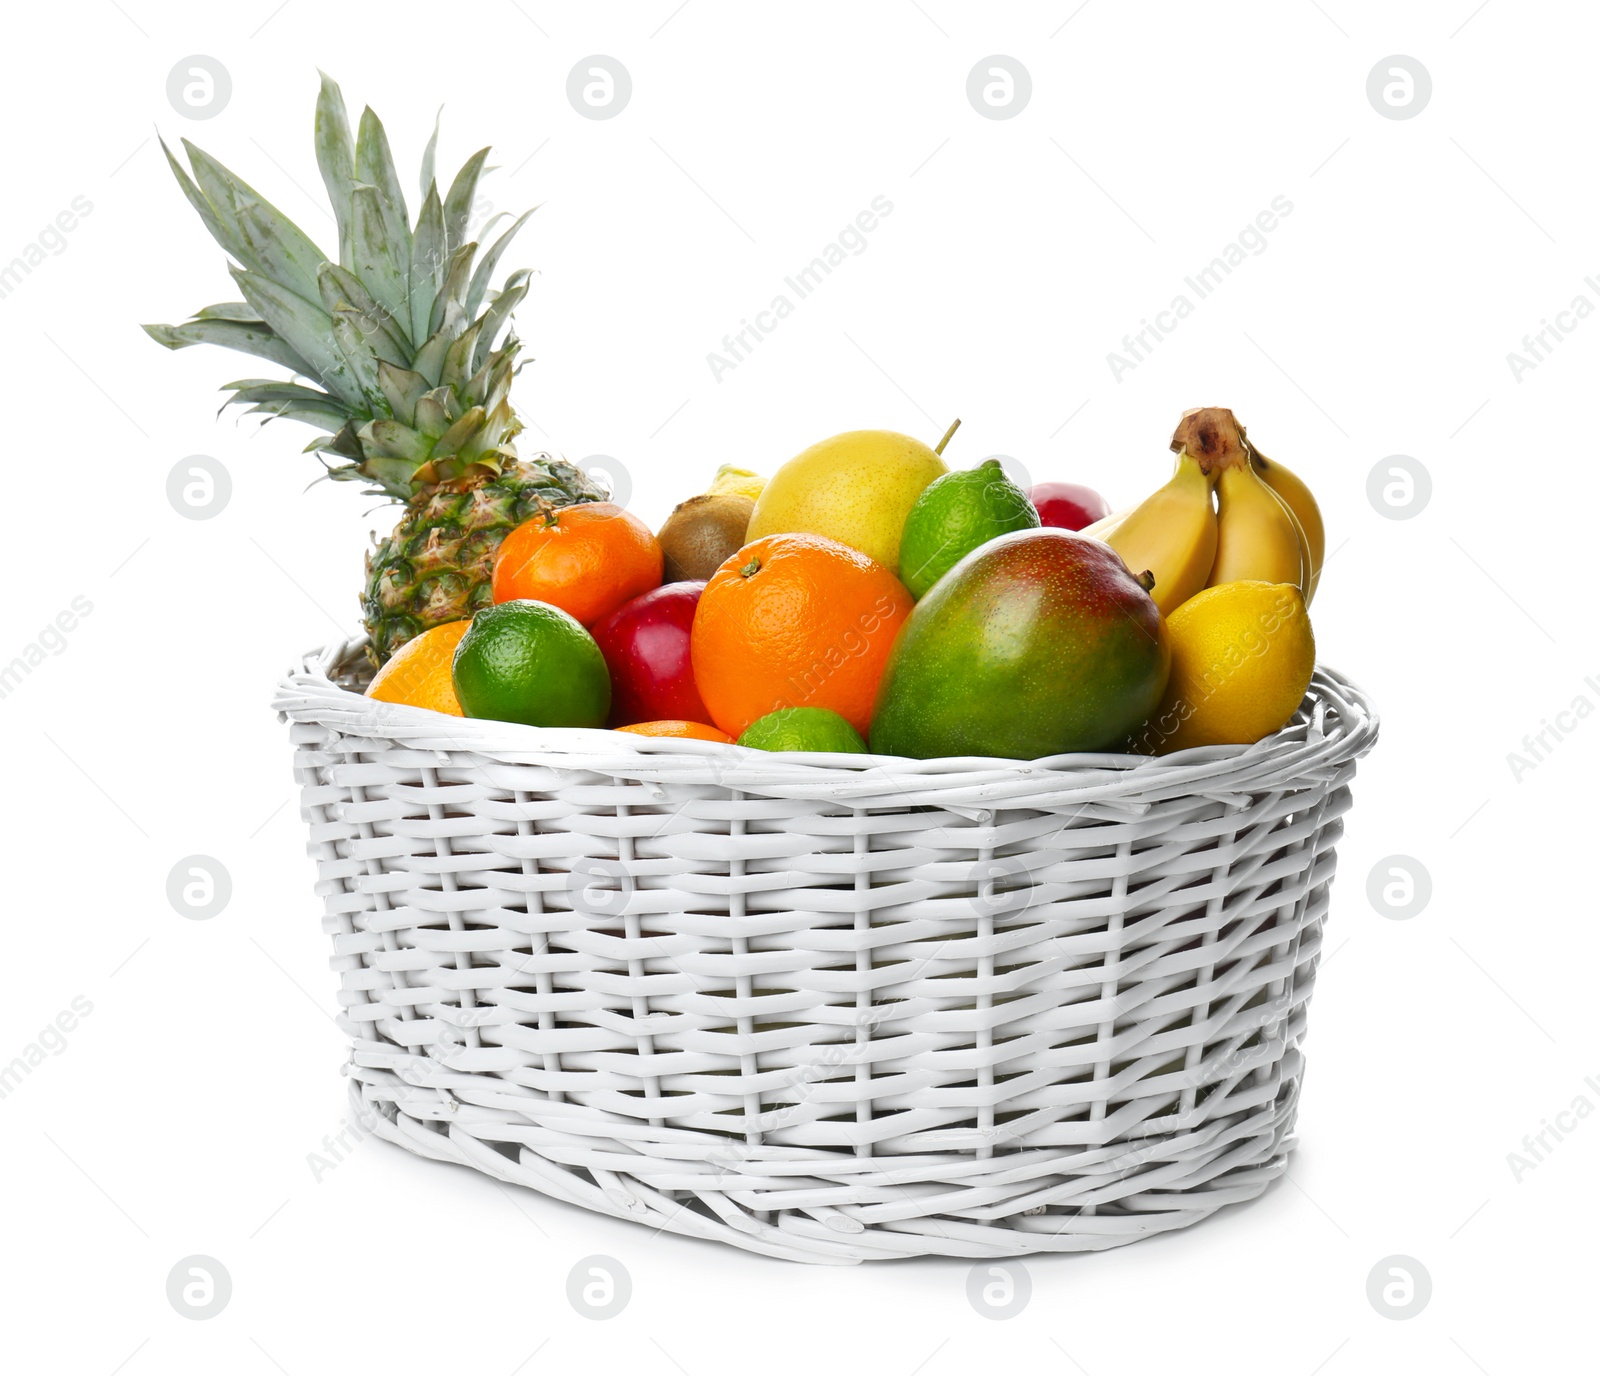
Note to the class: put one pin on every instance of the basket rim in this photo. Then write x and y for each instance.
(1334, 726)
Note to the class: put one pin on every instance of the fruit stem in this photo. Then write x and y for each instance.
(1212, 437)
(954, 426)
(753, 567)
(1146, 580)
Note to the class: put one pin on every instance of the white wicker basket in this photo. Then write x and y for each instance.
(828, 1008)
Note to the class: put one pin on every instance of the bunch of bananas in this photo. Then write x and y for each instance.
(1262, 523)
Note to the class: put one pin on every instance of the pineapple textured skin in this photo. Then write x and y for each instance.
(438, 563)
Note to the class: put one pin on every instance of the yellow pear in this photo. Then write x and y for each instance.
(856, 488)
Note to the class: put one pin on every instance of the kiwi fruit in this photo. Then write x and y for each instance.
(701, 533)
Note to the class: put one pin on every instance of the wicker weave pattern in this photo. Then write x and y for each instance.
(832, 1010)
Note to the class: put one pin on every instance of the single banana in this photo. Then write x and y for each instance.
(1258, 536)
(1172, 533)
(1298, 498)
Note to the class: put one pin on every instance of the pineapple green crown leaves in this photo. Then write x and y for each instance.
(401, 369)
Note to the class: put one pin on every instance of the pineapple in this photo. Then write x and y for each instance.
(396, 342)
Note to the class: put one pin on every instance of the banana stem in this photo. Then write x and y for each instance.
(954, 426)
(1212, 437)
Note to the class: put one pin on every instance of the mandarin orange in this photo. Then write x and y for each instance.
(587, 560)
(795, 621)
(418, 673)
(681, 730)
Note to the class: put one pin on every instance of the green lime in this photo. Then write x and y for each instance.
(954, 515)
(803, 728)
(531, 662)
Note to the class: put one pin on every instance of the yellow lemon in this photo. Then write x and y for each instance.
(1242, 656)
(855, 488)
(736, 482)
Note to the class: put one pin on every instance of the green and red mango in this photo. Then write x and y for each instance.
(1038, 643)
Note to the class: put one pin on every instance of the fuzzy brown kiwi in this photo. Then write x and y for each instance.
(701, 533)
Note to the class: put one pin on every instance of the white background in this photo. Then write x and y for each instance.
(180, 1115)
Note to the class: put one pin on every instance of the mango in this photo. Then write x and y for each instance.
(1040, 642)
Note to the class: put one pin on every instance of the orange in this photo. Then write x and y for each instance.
(418, 673)
(795, 621)
(587, 560)
(682, 730)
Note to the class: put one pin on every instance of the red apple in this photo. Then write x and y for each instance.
(1071, 506)
(646, 646)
